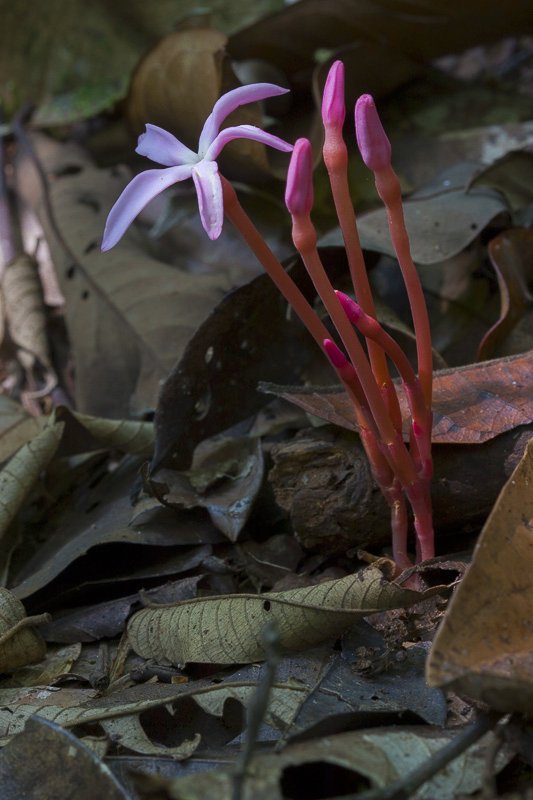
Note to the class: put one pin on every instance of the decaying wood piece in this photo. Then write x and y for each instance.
(322, 479)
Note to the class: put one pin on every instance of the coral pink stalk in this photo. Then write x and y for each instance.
(304, 238)
(375, 150)
(335, 157)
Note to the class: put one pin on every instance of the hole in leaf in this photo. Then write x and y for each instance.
(91, 246)
(319, 779)
(267, 605)
(70, 272)
(85, 294)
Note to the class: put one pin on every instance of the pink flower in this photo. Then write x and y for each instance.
(372, 140)
(182, 163)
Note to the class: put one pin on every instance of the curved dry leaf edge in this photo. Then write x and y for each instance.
(22, 471)
(227, 629)
(484, 644)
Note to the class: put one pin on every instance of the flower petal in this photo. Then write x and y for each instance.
(209, 190)
(162, 147)
(229, 102)
(136, 196)
(245, 132)
(299, 188)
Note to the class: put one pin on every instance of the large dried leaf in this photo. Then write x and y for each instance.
(370, 758)
(21, 644)
(128, 732)
(471, 404)
(22, 471)
(46, 761)
(25, 312)
(100, 515)
(485, 643)
(129, 316)
(440, 226)
(226, 629)
(250, 336)
(72, 707)
(511, 255)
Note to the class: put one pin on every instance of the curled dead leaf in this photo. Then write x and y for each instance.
(20, 644)
(225, 629)
(25, 311)
(21, 472)
(484, 646)
(471, 404)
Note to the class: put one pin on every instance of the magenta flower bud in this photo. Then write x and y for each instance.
(372, 140)
(351, 308)
(299, 190)
(335, 355)
(333, 108)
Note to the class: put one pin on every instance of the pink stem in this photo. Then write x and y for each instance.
(336, 160)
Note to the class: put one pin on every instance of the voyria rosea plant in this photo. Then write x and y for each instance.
(402, 472)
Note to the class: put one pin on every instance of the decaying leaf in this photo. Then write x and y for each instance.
(20, 644)
(48, 671)
(372, 759)
(17, 428)
(484, 646)
(25, 312)
(64, 766)
(101, 515)
(225, 478)
(135, 437)
(440, 225)
(511, 255)
(225, 629)
(128, 732)
(471, 404)
(21, 472)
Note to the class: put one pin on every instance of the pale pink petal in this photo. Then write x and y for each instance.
(209, 190)
(229, 102)
(372, 140)
(333, 108)
(299, 189)
(245, 132)
(136, 196)
(162, 147)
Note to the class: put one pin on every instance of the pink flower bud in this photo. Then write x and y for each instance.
(333, 109)
(372, 140)
(351, 308)
(299, 189)
(335, 355)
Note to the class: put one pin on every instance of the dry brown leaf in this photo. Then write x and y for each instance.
(471, 404)
(128, 732)
(511, 255)
(25, 311)
(21, 472)
(20, 644)
(484, 647)
(369, 758)
(226, 629)
(17, 428)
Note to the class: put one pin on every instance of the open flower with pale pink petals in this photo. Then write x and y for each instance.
(182, 163)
